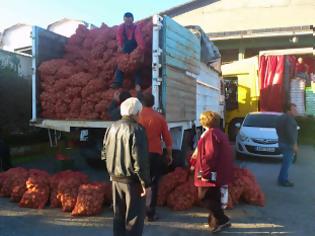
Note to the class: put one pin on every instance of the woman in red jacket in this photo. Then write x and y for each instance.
(213, 168)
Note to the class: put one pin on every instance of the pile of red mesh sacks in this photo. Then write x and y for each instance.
(245, 188)
(77, 86)
(68, 190)
(177, 190)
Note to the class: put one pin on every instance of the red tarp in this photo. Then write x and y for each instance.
(271, 79)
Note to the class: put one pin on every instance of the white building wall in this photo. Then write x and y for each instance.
(66, 28)
(237, 15)
(17, 37)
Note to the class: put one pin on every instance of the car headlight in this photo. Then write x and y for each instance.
(243, 137)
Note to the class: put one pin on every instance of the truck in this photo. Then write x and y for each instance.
(185, 80)
(243, 85)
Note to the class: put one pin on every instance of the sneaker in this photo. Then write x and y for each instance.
(218, 228)
(286, 184)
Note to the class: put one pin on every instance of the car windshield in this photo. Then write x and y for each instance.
(261, 120)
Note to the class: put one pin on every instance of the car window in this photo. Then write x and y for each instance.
(261, 120)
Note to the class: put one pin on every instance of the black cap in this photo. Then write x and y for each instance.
(128, 15)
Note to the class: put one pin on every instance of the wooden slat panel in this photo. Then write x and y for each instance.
(172, 26)
(181, 48)
(181, 96)
(181, 54)
(191, 45)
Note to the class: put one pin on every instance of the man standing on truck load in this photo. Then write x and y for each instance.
(287, 133)
(155, 127)
(128, 37)
(126, 154)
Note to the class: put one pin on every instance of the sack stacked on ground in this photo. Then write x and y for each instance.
(90, 199)
(13, 179)
(68, 190)
(183, 197)
(245, 188)
(37, 193)
(54, 181)
(77, 86)
(169, 182)
(19, 186)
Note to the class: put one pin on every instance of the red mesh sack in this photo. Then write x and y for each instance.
(183, 197)
(19, 186)
(51, 67)
(65, 72)
(90, 200)
(37, 193)
(68, 190)
(169, 182)
(9, 178)
(54, 181)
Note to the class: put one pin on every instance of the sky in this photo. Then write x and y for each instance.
(44, 12)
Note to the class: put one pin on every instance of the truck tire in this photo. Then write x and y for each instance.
(232, 130)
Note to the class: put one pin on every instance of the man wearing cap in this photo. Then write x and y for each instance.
(126, 154)
(128, 38)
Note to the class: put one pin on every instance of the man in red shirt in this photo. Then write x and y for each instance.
(155, 128)
(128, 38)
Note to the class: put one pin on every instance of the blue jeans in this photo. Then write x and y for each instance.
(288, 154)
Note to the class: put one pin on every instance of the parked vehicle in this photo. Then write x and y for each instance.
(247, 90)
(183, 81)
(257, 136)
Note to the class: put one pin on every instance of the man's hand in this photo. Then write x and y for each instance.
(144, 191)
(116, 96)
(138, 88)
(295, 148)
(169, 159)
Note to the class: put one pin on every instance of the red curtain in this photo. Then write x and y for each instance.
(271, 77)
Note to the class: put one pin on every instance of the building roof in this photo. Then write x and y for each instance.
(188, 6)
(241, 15)
(65, 20)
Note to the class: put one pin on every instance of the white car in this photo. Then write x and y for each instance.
(257, 135)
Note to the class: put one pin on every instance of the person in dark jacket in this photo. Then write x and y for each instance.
(287, 134)
(213, 169)
(125, 151)
(113, 110)
(128, 38)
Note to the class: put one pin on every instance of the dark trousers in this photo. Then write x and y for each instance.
(156, 170)
(129, 46)
(212, 201)
(129, 209)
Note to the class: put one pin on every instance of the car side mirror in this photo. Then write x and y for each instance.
(238, 125)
